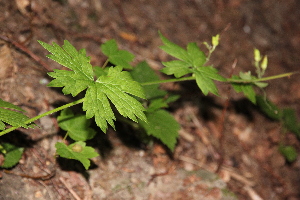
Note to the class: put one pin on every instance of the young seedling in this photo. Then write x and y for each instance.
(112, 93)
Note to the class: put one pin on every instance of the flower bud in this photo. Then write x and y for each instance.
(257, 56)
(264, 63)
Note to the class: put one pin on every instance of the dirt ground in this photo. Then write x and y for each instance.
(252, 168)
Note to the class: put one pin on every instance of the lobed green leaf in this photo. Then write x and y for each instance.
(116, 87)
(196, 56)
(191, 60)
(173, 49)
(204, 79)
(83, 155)
(81, 75)
(116, 56)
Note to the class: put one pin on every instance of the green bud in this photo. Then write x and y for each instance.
(257, 56)
(264, 63)
(215, 40)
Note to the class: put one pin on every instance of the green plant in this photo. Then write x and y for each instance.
(289, 122)
(112, 93)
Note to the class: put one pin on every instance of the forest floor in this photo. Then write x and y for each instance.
(252, 167)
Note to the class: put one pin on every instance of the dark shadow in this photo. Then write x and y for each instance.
(167, 150)
(101, 142)
(18, 139)
(74, 165)
(131, 137)
(206, 105)
(244, 107)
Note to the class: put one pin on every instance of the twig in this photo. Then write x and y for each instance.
(47, 188)
(43, 177)
(223, 119)
(69, 188)
(153, 176)
(252, 194)
(27, 51)
(230, 170)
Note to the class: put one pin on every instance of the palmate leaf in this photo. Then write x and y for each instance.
(112, 86)
(117, 87)
(79, 78)
(192, 57)
(77, 151)
(11, 117)
(191, 60)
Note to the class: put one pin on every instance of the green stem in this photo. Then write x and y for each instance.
(262, 79)
(227, 80)
(169, 80)
(43, 115)
(104, 65)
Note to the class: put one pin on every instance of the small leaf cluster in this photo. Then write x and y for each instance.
(78, 129)
(248, 81)
(191, 61)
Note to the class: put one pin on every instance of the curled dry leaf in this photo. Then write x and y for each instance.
(6, 61)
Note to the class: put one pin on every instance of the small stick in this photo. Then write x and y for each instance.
(43, 177)
(223, 118)
(153, 176)
(27, 51)
(69, 188)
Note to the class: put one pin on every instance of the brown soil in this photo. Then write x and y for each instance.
(252, 166)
